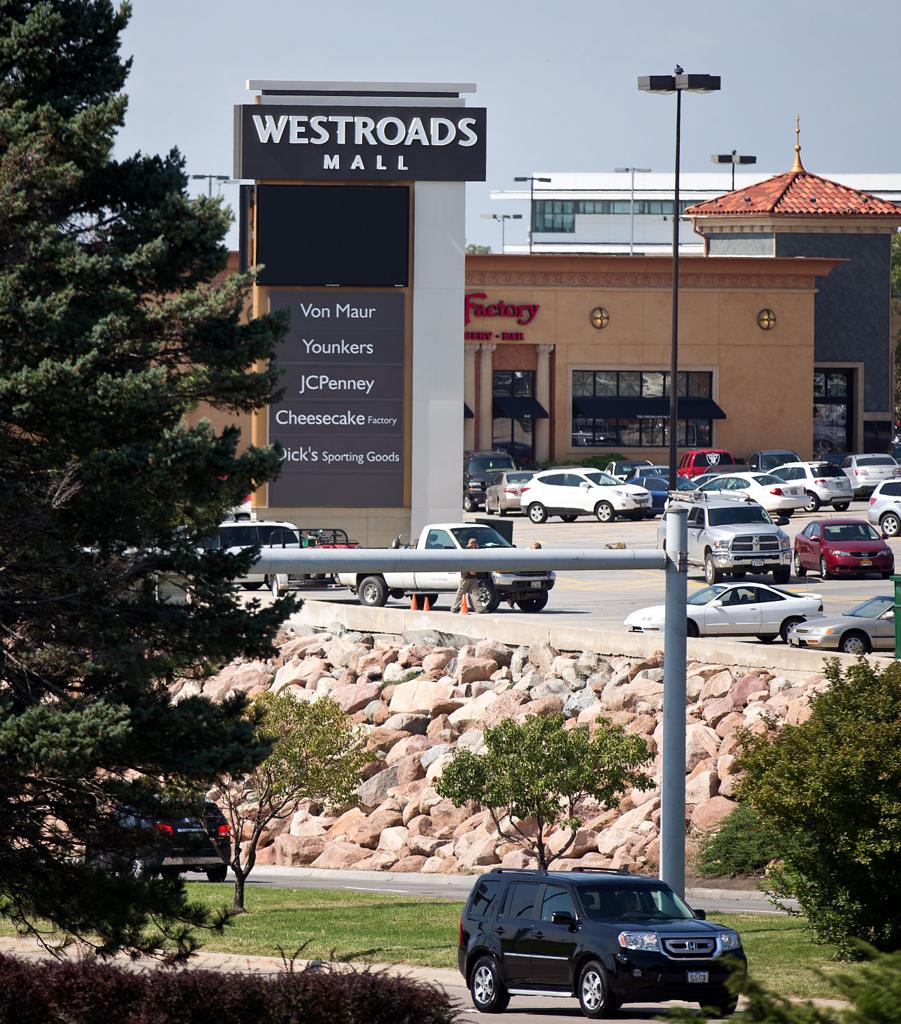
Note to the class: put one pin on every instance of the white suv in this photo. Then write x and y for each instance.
(884, 509)
(823, 483)
(570, 493)
(234, 536)
(866, 471)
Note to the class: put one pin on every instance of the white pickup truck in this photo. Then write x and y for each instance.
(527, 590)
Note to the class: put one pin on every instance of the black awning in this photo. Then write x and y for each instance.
(468, 414)
(700, 409)
(630, 408)
(517, 408)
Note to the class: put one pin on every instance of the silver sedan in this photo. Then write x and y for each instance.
(868, 627)
(505, 490)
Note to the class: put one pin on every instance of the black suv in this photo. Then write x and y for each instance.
(172, 843)
(479, 469)
(606, 937)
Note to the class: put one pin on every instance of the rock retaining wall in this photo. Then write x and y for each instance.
(421, 696)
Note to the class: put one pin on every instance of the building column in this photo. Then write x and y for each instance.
(486, 390)
(542, 428)
(469, 394)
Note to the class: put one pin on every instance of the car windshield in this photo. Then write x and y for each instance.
(766, 479)
(707, 594)
(684, 484)
(604, 479)
(485, 462)
(770, 459)
(739, 514)
(484, 536)
(871, 609)
(850, 531)
(875, 460)
(632, 903)
(519, 478)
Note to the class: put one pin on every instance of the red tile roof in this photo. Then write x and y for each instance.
(798, 193)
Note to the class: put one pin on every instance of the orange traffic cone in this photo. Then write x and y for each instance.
(464, 606)
(426, 607)
(414, 607)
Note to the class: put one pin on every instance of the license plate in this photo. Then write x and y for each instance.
(866, 561)
(698, 977)
(536, 585)
(757, 563)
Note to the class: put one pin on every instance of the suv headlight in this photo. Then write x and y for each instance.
(729, 941)
(646, 941)
(721, 545)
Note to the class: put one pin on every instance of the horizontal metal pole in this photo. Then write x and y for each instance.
(376, 560)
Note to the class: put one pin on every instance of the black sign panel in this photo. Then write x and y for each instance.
(341, 420)
(293, 143)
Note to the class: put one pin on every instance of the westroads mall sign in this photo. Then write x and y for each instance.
(294, 143)
(340, 420)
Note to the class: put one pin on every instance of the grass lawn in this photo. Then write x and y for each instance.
(421, 931)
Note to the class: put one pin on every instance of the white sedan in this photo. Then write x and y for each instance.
(774, 494)
(739, 609)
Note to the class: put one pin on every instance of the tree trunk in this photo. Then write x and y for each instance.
(238, 902)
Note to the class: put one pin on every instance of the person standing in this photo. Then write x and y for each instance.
(468, 585)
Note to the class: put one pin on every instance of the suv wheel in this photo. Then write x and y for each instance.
(537, 512)
(217, 874)
(373, 592)
(813, 502)
(711, 573)
(604, 512)
(723, 1005)
(594, 991)
(486, 988)
(842, 506)
(468, 504)
(891, 524)
(783, 574)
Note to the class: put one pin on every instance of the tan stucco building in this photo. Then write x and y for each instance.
(578, 348)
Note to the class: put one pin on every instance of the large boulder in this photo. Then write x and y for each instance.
(355, 698)
(495, 650)
(507, 705)
(296, 851)
(419, 696)
(710, 814)
(471, 668)
(366, 832)
(541, 655)
(374, 790)
(340, 855)
(474, 710)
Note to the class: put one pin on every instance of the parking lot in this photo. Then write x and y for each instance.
(603, 599)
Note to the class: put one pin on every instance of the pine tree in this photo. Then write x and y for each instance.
(111, 330)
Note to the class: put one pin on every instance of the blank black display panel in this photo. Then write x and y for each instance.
(351, 235)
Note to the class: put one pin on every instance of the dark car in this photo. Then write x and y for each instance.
(605, 937)
(841, 547)
(479, 470)
(770, 458)
(171, 843)
(658, 486)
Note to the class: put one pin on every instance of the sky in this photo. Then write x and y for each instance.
(558, 79)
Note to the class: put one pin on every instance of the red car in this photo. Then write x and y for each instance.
(698, 461)
(841, 547)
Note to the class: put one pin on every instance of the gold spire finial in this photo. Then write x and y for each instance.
(797, 165)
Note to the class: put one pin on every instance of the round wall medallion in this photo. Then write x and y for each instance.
(766, 319)
(599, 317)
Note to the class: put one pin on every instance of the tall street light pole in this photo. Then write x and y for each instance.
(672, 807)
(502, 218)
(733, 158)
(531, 179)
(633, 171)
(209, 179)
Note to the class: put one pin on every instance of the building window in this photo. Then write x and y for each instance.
(833, 418)
(558, 216)
(508, 434)
(643, 395)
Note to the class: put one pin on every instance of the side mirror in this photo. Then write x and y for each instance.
(563, 917)
(585, 485)
(716, 603)
(701, 915)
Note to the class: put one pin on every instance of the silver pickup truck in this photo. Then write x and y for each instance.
(731, 536)
(527, 590)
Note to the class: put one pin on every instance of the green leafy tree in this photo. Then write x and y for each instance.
(315, 754)
(896, 265)
(533, 775)
(110, 333)
(478, 250)
(829, 791)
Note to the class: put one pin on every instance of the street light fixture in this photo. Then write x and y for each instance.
(209, 179)
(672, 806)
(531, 179)
(733, 158)
(633, 171)
(502, 218)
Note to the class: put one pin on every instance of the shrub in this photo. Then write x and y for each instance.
(92, 993)
(742, 845)
(830, 792)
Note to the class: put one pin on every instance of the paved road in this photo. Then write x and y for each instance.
(602, 600)
(456, 887)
